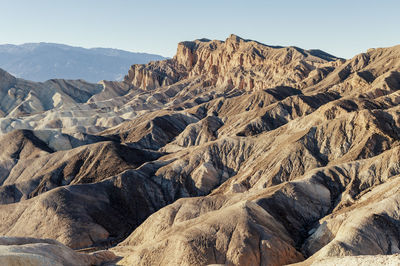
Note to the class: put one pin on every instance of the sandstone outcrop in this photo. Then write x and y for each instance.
(235, 63)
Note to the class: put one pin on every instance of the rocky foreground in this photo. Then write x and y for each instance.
(232, 152)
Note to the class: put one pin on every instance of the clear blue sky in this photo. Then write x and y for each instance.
(343, 28)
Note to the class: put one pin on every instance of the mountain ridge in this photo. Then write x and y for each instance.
(43, 61)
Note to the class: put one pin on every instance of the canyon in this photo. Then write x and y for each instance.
(232, 152)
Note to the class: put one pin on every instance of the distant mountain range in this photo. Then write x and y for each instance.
(43, 61)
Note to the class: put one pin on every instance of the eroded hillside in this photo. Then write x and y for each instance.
(232, 152)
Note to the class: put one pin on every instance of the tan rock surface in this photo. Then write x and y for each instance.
(38, 252)
(388, 260)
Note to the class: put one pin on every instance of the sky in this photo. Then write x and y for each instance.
(342, 28)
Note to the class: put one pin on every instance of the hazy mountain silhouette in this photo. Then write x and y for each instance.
(43, 61)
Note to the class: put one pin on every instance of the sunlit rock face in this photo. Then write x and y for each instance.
(236, 62)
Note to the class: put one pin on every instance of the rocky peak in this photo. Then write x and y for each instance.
(186, 53)
(6, 79)
(234, 38)
(233, 41)
(233, 63)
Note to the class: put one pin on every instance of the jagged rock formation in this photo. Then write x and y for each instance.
(235, 63)
(231, 152)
